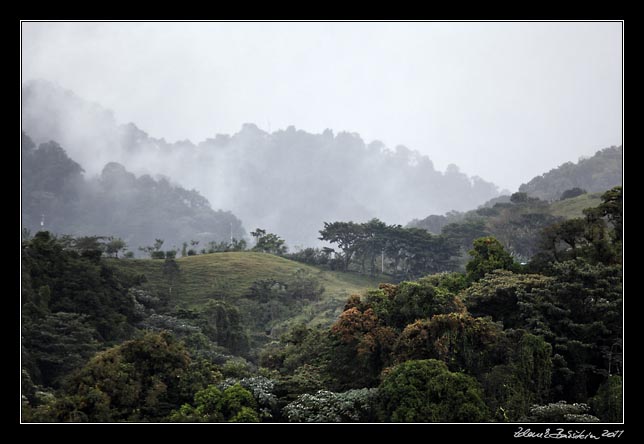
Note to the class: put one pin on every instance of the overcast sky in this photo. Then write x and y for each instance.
(505, 101)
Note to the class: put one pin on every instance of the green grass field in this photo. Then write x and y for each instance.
(228, 276)
(572, 208)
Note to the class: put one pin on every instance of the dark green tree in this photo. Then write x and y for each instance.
(487, 255)
(137, 380)
(234, 404)
(426, 391)
(346, 235)
(222, 323)
(573, 192)
(270, 243)
(114, 245)
(59, 343)
(607, 403)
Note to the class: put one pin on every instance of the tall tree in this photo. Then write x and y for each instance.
(346, 235)
(487, 255)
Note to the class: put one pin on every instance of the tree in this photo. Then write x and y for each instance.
(193, 251)
(564, 240)
(257, 234)
(222, 323)
(58, 344)
(464, 343)
(402, 304)
(154, 250)
(263, 390)
(573, 192)
(114, 245)
(521, 378)
(372, 243)
(138, 379)
(81, 283)
(362, 350)
(270, 243)
(503, 296)
(234, 404)
(488, 255)
(518, 198)
(607, 403)
(577, 310)
(171, 271)
(304, 286)
(464, 233)
(346, 235)
(426, 391)
(610, 210)
(596, 238)
(325, 406)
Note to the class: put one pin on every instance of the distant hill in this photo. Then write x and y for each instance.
(57, 197)
(288, 182)
(516, 221)
(595, 174)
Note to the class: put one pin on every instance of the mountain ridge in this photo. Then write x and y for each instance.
(288, 181)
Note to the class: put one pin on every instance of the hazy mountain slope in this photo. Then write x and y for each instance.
(594, 174)
(288, 182)
(58, 198)
(517, 223)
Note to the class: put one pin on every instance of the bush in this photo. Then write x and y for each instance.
(157, 255)
(573, 192)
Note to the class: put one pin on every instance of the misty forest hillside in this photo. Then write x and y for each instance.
(252, 337)
(519, 220)
(288, 181)
(57, 196)
(512, 312)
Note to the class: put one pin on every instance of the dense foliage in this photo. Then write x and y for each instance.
(517, 223)
(500, 341)
(375, 247)
(510, 312)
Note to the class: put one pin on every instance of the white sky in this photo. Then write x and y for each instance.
(505, 101)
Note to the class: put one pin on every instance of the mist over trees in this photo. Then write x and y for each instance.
(56, 196)
(288, 181)
(267, 275)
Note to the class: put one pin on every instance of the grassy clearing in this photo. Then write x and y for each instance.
(572, 208)
(228, 276)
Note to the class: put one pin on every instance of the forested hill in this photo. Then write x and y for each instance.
(249, 336)
(595, 174)
(58, 197)
(517, 221)
(287, 181)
